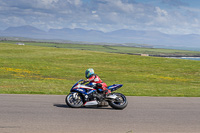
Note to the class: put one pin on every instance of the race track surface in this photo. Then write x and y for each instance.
(50, 114)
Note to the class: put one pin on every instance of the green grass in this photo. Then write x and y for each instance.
(116, 49)
(49, 70)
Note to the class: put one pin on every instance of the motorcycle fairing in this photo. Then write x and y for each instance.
(114, 87)
(76, 83)
(82, 89)
(89, 103)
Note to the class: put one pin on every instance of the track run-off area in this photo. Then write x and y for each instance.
(50, 114)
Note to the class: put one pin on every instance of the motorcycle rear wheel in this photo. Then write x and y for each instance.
(120, 102)
(74, 100)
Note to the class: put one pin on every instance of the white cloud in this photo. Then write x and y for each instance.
(47, 2)
(103, 15)
(197, 10)
(161, 12)
(94, 12)
(14, 21)
(77, 2)
(126, 7)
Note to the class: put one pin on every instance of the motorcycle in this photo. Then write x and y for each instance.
(82, 94)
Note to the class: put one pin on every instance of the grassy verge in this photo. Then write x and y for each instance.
(47, 70)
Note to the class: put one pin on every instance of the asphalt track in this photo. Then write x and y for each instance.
(50, 114)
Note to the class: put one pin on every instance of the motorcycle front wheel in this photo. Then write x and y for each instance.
(120, 102)
(74, 100)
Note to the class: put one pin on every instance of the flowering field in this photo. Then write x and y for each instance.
(45, 70)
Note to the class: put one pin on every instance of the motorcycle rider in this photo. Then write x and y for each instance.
(93, 78)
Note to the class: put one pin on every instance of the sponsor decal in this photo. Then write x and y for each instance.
(80, 90)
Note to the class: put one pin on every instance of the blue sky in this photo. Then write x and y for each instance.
(167, 16)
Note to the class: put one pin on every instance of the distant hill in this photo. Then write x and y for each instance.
(118, 36)
(23, 30)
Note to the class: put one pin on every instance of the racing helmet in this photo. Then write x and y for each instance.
(89, 72)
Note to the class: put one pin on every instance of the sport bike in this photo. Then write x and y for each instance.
(82, 94)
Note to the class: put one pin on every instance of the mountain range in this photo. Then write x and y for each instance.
(118, 36)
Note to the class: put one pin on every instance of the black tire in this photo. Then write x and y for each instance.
(74, 102)
(120, 102)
